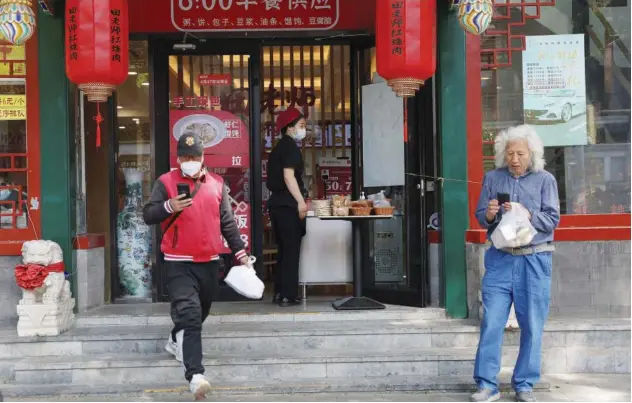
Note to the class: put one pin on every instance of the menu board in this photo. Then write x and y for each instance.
(334, 177)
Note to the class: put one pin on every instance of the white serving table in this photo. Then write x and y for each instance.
(343, 262)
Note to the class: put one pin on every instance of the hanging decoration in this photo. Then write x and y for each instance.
(47, 6)
(475, 15)
(454, 4)
(97, 48)
(17, 20)
(406, 43)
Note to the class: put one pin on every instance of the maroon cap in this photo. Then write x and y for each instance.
(286, 117)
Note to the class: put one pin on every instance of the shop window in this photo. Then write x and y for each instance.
(19, 151)
(134, 176)
(132, 117)
(316, 81)
(564, 67)
(13, 157)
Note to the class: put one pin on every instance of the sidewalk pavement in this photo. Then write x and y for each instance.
(564, 388)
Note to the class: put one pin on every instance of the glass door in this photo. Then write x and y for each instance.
(394, 250)
(212, 91)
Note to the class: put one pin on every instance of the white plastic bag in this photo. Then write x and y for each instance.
(514, 230)
(244, 280)
(379, 200)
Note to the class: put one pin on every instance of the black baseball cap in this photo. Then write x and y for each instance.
(190, 145)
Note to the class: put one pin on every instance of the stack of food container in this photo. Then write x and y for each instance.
(321, 208)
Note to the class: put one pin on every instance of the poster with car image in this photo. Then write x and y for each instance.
(554, 88)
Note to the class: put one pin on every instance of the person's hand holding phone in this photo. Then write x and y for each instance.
(492, 209)
(504, 201)
(180, 202)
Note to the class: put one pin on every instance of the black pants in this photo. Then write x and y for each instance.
(192, 288)
(289, 230)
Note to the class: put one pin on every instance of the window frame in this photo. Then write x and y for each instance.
(11, 240)
(573, 227)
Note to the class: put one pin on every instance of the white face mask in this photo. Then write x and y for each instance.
(191, 168)
(300, 134)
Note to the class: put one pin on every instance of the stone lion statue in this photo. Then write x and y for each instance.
(55, 288)
(46, 307)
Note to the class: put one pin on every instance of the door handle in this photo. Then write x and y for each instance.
(421, 187)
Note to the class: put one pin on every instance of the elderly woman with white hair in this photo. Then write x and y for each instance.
(521, 276)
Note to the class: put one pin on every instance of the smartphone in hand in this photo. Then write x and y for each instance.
(184, 189)
(503, 198)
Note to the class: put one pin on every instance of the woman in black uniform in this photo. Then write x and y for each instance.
(287, 204)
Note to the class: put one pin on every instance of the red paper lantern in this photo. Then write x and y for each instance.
(406, 36)
(97, 46)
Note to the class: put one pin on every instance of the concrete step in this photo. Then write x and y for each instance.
(284, 337)
(323, 364)
(270, 386)
(249, 312)
(146, 368)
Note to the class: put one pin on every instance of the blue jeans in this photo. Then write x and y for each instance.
(525, 281)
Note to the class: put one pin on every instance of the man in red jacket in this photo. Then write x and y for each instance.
(194, 227)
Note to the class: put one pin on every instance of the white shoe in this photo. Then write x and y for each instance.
(199, 386)
(175, 347)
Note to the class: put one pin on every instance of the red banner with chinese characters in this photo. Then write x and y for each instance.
(338, 174)
(254, 15)
(151, 16)
(225, 136)
(238, 182)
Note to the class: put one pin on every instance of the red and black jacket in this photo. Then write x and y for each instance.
(196, 235)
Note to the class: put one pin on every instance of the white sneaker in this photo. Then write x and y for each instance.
(199, 386)
(175, 347)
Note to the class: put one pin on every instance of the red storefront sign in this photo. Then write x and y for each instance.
(338, 173)
(254, 15)
(224, 135)
(214, 79)
(151, 16)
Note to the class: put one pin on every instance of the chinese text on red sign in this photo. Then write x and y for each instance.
(249, 15)
(397, 24)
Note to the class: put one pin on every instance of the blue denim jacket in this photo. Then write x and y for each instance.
(536, 191)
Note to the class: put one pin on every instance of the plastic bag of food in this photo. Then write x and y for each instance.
(380, 200)
(244, 280)
(341, 211)
(514, 230)
(340, 201)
